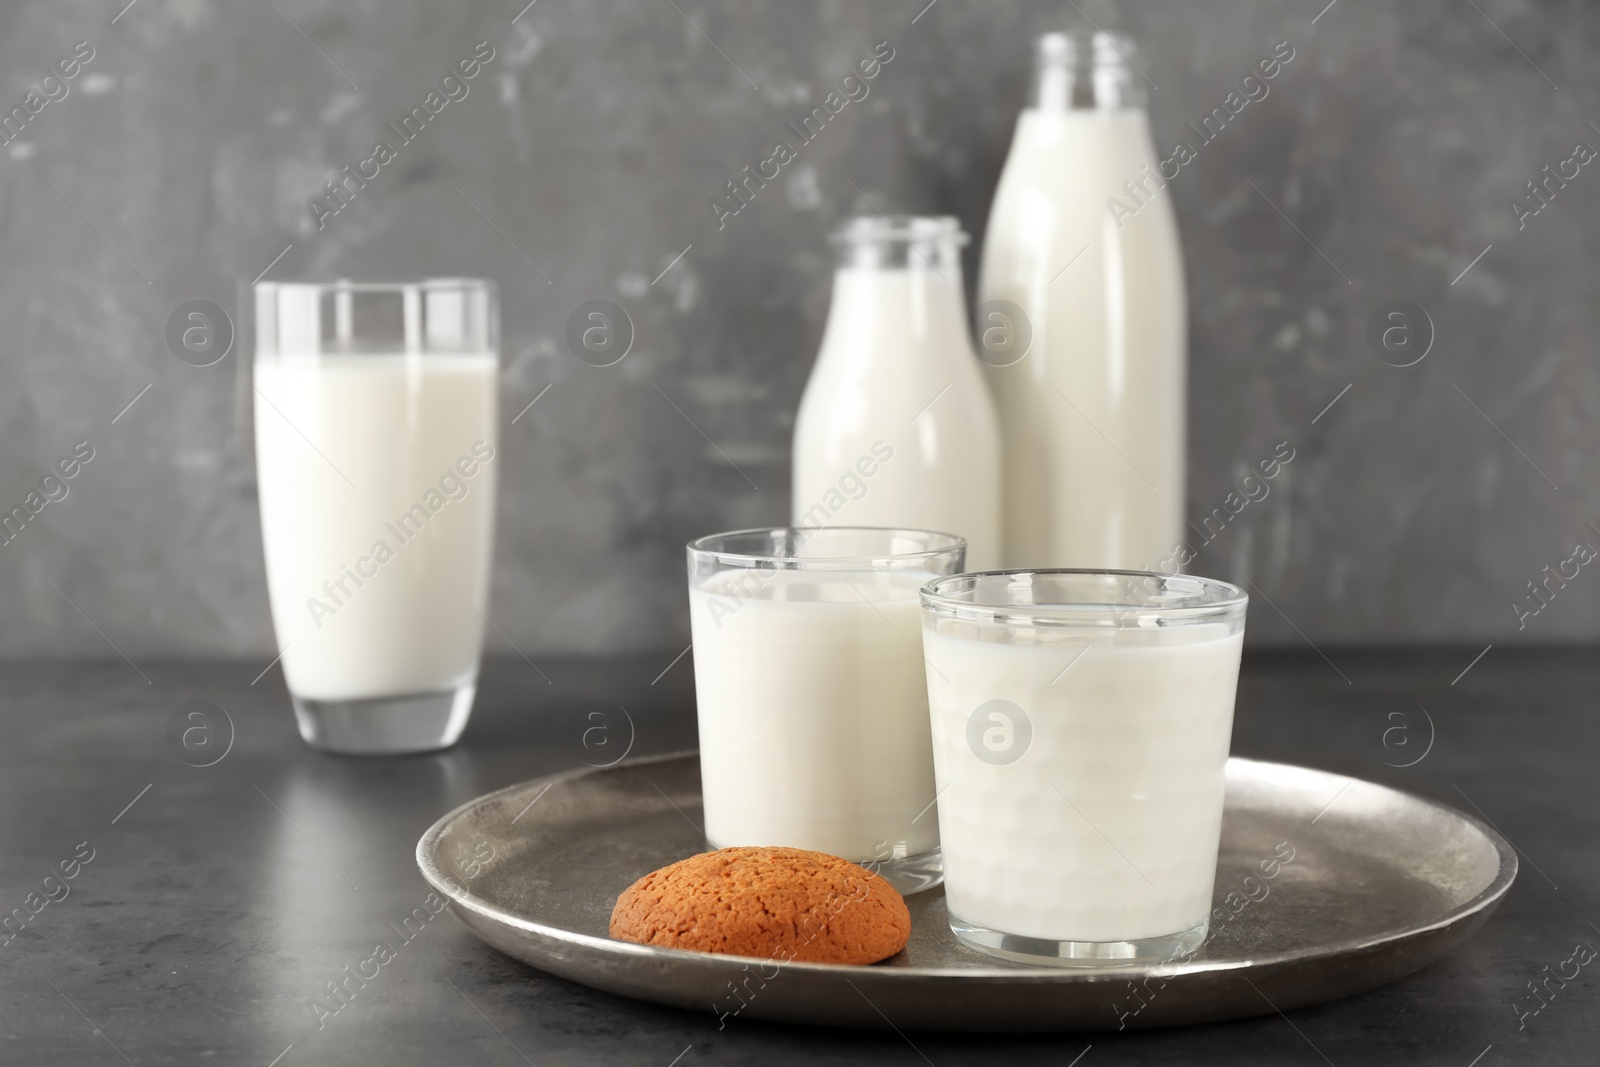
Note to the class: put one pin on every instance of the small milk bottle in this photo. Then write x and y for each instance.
(1082, 263)
(897, 427)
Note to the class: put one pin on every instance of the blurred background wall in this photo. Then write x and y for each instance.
(181, 162)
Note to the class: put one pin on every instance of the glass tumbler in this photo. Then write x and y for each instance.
(376, 431)
(1081, 723)
(812, 703)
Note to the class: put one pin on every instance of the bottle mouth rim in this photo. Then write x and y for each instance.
(899, 229)
(1101, 48)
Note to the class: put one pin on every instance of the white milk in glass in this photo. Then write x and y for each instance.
(377, 483)
(1107, 826)
(896, 427)
(813, 711)
(376, 439)
(1092, 417)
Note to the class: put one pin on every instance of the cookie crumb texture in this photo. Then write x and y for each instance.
(775, 903)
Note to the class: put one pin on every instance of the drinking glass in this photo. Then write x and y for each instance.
(1081, 722)
(376, 433)
(813, 708)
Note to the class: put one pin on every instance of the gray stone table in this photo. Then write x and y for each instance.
(219, 900)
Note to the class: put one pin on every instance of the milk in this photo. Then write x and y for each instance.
(1106, 828)
(896, 390)
(377, 486)
(813, 712)
(1092, 418)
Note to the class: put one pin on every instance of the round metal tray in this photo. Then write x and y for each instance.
(1378, 883)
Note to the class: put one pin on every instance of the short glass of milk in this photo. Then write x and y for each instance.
(376, 435)
(1081, 723)
(813, 708)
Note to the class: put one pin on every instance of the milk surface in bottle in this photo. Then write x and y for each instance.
(896, 427)
(1083, 243)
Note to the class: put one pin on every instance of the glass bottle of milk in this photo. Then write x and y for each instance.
(1082, 242)
(896, 427)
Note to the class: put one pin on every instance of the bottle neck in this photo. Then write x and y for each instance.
(886, 325)
(941, 258)
(1086, 72)
(901, 243)
(897, 290)
(911, 298)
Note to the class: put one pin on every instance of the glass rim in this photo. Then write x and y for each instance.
(1212, 598)
(702, 548)
(389, 286)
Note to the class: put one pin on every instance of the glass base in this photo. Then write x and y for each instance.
(1046, 953)
(910, 874)
(386, 726)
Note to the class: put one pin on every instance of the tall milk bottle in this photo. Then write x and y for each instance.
(896, 427)
(1083, 244)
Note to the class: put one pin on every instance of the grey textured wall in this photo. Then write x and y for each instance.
(183, 157)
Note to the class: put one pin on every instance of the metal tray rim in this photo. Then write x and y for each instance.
(1486, 899)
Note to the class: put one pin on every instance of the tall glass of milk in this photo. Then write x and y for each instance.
(1081, 261)
(896, 381)
(813, 707)
(376, 437)
(1081, 723)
